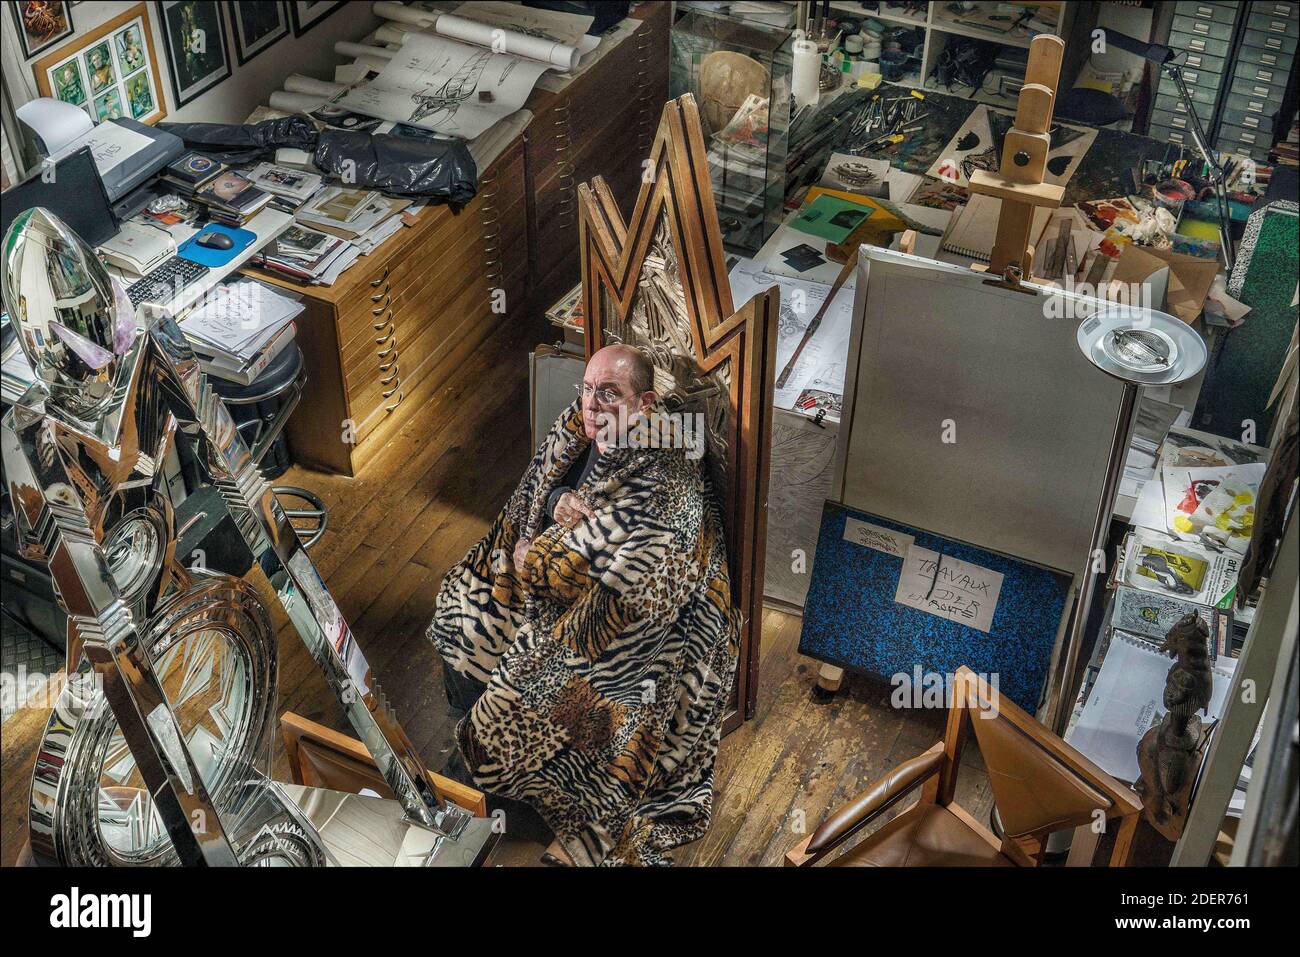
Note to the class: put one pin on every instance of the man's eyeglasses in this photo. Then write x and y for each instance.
(603, 396)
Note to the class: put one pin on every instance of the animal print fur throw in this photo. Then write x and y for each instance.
(609, 661)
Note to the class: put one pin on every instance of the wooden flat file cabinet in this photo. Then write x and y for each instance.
(380, 341)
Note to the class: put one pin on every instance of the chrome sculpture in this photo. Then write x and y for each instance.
(159, 748)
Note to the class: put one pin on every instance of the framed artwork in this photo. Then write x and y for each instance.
(110, 72)
(307, 13)
(256, 26)
(41, 25)
(194, 36)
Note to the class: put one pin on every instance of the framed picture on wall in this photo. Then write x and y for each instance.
(194, 36)
(256, 26)
(41, 25)
(110, 72)
(307, 13)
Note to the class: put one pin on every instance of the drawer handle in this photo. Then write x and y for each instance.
(1273, 43)
(1205, 12)
(380, 280)
(1179, 121)
(1264, 76)
(1268, 59)
(381, 295)
(376, 312)
(390, 408)
(385, 353)
(1193, 61)
(380, 340)
(393, 391)
(377, 326)
(385, 366)
(1191, 77)
(1248, 137)
(1201, 27)
(384, 380)
(1277, 27)
(1250, 121)
(1197, 45)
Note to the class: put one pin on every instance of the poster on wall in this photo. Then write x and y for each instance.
(307, 13)
(41, 25)
(111, 72)
(194, 36)
(256, 26)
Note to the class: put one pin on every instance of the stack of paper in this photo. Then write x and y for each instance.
(239, 328)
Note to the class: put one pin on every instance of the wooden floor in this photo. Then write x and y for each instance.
(412, 513)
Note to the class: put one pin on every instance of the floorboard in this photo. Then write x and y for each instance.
(398, 526)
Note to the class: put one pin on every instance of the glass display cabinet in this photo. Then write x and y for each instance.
(739, 72)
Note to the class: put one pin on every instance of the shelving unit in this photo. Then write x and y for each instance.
(939, 25)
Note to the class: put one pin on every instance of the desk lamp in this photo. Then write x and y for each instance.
(1166, 59)
(1140, 347)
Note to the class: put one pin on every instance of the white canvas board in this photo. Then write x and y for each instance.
(971, 413)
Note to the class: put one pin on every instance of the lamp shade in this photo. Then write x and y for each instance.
(1141, 346)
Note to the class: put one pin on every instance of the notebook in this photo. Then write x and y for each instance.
(974, 228)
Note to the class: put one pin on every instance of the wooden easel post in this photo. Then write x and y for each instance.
(1018, 182)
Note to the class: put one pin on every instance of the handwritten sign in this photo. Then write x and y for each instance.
(949, 588)
(874, 536)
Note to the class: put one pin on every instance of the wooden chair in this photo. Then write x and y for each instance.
(1040, 785)
(322, 758)
(659, 282)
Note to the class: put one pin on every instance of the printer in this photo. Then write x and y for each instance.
(126, 152)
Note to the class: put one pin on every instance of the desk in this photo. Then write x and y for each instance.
(266, 226)
(384, 338)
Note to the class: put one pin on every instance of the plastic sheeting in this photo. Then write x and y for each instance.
(399, 165)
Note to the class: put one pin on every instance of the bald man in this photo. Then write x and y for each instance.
(590, 636)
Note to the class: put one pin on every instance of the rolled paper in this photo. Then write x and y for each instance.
(404, 14)
(295, 102)
(344, 48)
(297, 83)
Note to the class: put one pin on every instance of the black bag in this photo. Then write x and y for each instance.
(441, 170)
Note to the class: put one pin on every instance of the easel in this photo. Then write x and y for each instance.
(1018, 183)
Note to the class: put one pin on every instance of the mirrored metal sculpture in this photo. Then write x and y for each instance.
(660, 283)
(159, 748)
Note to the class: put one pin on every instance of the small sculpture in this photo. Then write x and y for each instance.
(1167, 752)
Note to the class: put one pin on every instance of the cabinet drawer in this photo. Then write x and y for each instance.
(1271, 59)
(1198, 27)
(1275, 8)
(1215, 12)
(1269, 42)
(1194, 43)
(1262, 122)
(1255, 74)
(1264, 22)
(1205, 62)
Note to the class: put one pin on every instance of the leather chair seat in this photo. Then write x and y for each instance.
(925, 835)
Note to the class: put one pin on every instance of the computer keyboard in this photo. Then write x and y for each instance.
(165, 281)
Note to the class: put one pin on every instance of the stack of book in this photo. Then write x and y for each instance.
(307, 255)
(190, 172)
(289, 187)
(348, 213)
(240, 328)
(231, 199)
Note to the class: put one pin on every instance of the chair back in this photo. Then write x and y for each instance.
(1040, 784)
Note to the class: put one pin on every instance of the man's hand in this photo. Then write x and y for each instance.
(570, 510)
(521, 550)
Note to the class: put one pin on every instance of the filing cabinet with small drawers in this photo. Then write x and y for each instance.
(1236, 60)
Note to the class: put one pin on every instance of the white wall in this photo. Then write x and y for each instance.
(235, 97)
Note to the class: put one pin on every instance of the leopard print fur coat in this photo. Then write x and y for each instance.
(609, 661)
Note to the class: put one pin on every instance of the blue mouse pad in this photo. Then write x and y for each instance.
(191, 250)
(853, 616)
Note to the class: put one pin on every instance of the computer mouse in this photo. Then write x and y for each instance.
(214, 240)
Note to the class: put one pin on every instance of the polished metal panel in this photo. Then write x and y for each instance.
(159, 748)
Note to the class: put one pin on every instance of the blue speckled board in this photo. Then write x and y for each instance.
(850, 618)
